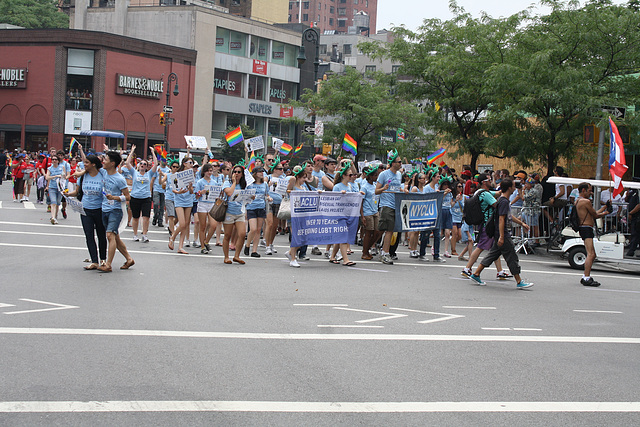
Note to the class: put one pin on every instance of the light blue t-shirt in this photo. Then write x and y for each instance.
(369, 205)
(200, 186)
(259, 201)
(456, 210)
(113, 185)
(156, 184)
(169, 194)
(348, 188)
(319, 175)
(182, 200)
(92, 187)
(233, 208)
(141, 184)
(395, 184)
(53, 172)
(446, 201)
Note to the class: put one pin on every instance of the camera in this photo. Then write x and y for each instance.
(609, 206)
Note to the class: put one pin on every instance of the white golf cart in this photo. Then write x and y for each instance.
(609, 247)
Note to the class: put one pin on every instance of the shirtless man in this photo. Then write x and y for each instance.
(586, 217)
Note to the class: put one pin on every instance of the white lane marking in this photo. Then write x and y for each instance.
(496, 329)
(468, 308)
(57, 307)
(446, 316)
(319, 337)
(511, 329)
(2, 305)
(322, 305)
(366, 269)
(311, 407)
(28, 205)
(350, 326)
(0, 205)
(48, 224)
(526, 329)
(598, 311)
(613, 290)
(386, 316)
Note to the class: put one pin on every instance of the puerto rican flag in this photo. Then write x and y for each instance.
(617, 161)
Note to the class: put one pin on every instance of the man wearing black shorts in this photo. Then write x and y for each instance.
(586, 218)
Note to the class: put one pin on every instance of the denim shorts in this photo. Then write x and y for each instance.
(111, 220)
(55, 195)
(256, 213)
(447, 219)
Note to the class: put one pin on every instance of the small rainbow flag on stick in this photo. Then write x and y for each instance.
(285, 149)
(444, 166)
(234, 137)
(252, 162)
(298, 148)
(160, 152)
(349, 144)
(436, 155)
(73, 144)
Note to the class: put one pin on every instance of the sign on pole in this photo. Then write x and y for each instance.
(167, 109)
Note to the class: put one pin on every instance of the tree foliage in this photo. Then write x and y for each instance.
(33, 14)
(365, 108)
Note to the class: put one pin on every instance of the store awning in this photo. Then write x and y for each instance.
(103, 133)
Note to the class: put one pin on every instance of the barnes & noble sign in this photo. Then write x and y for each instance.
(13, 77)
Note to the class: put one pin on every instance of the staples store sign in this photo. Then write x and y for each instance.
(13, 77)
(139, 86)
(260, 67)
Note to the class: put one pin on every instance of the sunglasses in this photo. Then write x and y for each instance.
(279, 169)
(237, 172)
(216, 166)
(352, 174)
(174, 166)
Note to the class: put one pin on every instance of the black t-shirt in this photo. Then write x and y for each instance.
(503, 209)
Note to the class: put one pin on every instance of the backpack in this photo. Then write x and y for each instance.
(574, 220)
(473, 214)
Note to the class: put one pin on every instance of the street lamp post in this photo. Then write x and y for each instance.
(173, 77)
(310, 35)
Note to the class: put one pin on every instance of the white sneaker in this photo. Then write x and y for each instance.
(274, 250)
(338, 256)
(294, 263)
(145, 239)
(327, 255)
(268, 251)
(136, 238)
(262, 244)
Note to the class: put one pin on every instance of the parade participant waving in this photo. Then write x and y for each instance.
(141, 193)
(234, 220)
(55, 172)
(116, 192)
(91, 188)
(342, 184)
(218, 179)
(256, 211)
(169, 195)
(183, 200)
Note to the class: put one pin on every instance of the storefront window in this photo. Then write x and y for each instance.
(231, 42)
(257, 87)
(234, 120)
(79, 93)
(282, 91)
(259, 48)
(281, 130)
(256, 123)
(284, 54)
(227, 83)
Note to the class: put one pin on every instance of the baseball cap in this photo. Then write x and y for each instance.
(521, 176)
(319, 157)
(329, 160)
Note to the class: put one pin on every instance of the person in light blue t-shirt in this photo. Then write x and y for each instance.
(183, 200)
(369, 211)
(257, 211)
(159, 194)
(141, 193)
(343, 185)
(234, 220)
(389, 182)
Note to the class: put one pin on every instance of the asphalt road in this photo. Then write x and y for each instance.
(187, 340)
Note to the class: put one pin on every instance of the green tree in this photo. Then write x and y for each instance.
(364, 107)
(33, 14)
(446, 62)
(558, 73)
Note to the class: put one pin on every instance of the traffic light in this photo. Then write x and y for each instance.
(162, 119)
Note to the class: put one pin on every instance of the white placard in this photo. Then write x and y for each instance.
(210, 193)
(319, 129)
(361, 166)
(281, 185)
(75, 205)
(248, 177)
(196, 142)
(254, 144)
(185, 178)
(243, 196)
(407, 167)
(276, 144)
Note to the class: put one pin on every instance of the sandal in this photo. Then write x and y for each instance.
(366, 257)
(127, 264)
(228, 261)
(334, 261)
(170, 244)
(92, 266)
(239, 261)
(349, 264)
(182, 251)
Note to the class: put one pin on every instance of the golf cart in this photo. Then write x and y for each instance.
(610, 247)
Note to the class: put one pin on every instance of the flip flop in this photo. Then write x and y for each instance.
(92, 266)
(239, 261)
(349, 264)
(170, 244)
(334, 261)
(182, 251)
(127, 264)
(228, 261)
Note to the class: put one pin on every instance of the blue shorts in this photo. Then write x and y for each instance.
(111, 220)
(447, 220)
(55, 195)
(256, 213)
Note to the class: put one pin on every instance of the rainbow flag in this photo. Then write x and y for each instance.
(161, 153)
(285, 149)
(436, 155)
(73, 143)
(349, 144)
(252, 162)
(298, 148)
(444, 166)
(234, 137)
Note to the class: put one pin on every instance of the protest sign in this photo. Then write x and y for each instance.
(416, 212)
(276, 144)
(75, 205)
(210, 193)
(248, 177)
(185, 178)
(324, 218)
(254, 144)
(281, 185)
(243, 197)
(196, 142)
